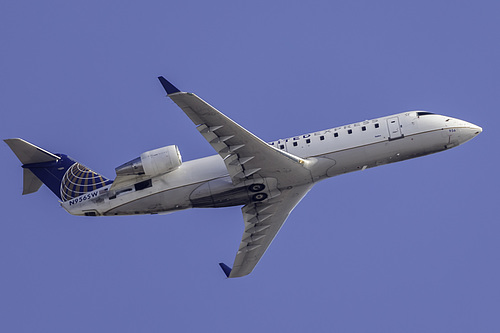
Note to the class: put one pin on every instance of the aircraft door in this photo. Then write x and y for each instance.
(394, 128)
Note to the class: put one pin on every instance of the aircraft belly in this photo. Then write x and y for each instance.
(219, 193)
(385, 152)
(233, 197)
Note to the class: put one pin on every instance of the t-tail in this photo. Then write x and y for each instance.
(64, 176)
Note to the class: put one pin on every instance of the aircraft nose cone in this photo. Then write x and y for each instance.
(473, 129)
(468, 132)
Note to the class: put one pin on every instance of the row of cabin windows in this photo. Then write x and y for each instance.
(322, 137)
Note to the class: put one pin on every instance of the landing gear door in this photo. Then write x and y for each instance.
(394, 128)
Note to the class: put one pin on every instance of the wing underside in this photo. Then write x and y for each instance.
(244, 153)
(262, 223)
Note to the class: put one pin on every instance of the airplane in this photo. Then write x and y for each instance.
(268, 179)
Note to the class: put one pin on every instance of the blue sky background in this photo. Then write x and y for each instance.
(408, 247)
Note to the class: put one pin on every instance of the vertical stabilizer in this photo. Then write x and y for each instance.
(65, 177)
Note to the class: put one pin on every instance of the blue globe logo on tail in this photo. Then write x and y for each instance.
(79, 180)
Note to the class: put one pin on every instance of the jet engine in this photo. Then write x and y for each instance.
(152, 163)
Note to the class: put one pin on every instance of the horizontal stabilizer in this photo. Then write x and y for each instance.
(31, 183)
(225, 268)
(28, 153)
(65, 177)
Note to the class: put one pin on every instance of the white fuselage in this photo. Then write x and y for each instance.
(205, 182)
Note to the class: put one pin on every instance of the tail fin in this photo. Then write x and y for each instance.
(64, 176)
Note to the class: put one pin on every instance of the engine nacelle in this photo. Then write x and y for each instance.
(152, 163)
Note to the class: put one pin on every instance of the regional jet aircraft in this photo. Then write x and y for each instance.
(267, 179)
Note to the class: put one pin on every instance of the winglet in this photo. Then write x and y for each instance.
(169, 87)
(225, 268)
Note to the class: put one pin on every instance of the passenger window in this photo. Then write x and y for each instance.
(322, 137)
(282, 146)
(308, 141)
(349, 131)
(295, 144)
(336, 134)
(377, 125)
(363, 128)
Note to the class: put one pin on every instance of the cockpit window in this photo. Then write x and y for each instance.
(423, 113)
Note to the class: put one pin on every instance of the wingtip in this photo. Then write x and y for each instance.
(169, 87)
(225, 268)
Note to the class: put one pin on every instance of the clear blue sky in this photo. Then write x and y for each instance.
(408, 247)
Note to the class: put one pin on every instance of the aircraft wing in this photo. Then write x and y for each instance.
(262, 223)
(244, 153)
